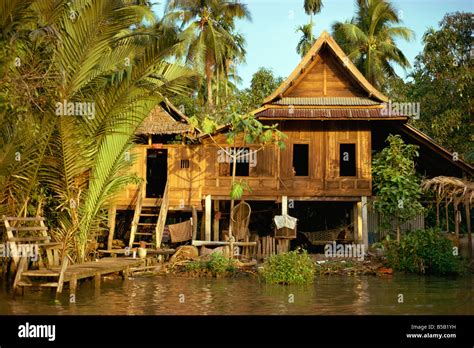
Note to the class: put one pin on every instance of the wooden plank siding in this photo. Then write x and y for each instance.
(272, 177)
(324, 77)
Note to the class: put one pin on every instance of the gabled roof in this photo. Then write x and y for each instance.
(325, 40)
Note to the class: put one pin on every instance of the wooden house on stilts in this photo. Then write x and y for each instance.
(334, 119)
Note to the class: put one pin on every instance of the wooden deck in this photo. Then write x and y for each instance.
(71, 274)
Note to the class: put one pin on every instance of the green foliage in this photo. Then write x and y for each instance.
(369, 39)
(262, 85)
(306, 40)
(312, 7)
(443, 83)
(289, 268)
(217, 264)
(209, 41)
(102, 55)
(395, 182)
(423, 251)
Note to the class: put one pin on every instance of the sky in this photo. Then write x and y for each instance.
(271, 34)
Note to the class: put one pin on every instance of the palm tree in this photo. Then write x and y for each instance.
(205, 39)
(306, 40)
(369, 39)
(88, 53)
(312, 7)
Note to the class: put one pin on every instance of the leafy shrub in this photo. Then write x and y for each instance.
(289, 268)
(423, 251)
(217, 264)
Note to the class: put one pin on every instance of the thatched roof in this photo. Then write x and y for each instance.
(454, 189)
(165, 118)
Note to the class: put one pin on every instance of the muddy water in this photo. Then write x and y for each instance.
(333, 295)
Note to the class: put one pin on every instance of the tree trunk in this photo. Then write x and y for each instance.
(398, 232)
(210, 102)
(468, 222)
(232, 201)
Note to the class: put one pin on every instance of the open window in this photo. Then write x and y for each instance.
(301, 159)
(242, 163)
(347, 160)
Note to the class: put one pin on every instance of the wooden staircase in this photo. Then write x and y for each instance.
(142, 228)
(23, 277)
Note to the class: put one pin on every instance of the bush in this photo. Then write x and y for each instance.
(423, 251)
(289, 268)
(217, 264)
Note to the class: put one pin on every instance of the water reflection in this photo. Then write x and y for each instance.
(333, 295)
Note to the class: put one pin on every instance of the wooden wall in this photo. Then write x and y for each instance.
(185, 184)
(272, 177)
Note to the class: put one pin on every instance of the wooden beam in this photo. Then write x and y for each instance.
(284, 205)
(355, 217)
(61, 275)
(216, 221)
(160, 225)
(208, 207)
(195, 221)
(112, 214)
(365, 232)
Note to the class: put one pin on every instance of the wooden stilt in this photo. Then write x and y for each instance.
(195, 221)
(61, 275)
(216, 221)
(73, 284)
(208, 207)
(111, 216)
(97, 279)
(21, 266)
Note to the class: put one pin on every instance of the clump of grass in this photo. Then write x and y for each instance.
(288, 268)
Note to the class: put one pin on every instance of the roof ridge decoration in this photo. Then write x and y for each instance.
(326, 38)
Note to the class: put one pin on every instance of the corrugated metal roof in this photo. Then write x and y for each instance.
(327, 101)
(323, 113)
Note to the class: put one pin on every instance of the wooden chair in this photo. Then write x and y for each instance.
(37, 234)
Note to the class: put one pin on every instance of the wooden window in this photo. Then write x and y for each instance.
(184, 164)
(243, 163)
(347, 160)
(301, 159)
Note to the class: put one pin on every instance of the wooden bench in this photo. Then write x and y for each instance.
(36, 234)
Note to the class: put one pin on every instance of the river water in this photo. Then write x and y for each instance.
(329, 295)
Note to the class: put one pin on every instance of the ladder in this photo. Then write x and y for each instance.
(141, 231)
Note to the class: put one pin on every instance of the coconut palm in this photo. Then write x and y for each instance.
(369, 39)
(312, 7)
(205, 39)
(92, 56)
(306, 40)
